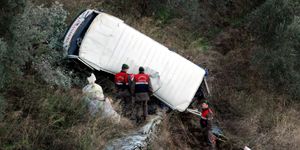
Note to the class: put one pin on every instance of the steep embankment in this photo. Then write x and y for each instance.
(250, 47)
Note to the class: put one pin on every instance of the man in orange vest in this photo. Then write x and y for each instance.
(206, 123)
(123, 83)
(142, 90)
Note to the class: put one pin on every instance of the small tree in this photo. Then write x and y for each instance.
(35, 44)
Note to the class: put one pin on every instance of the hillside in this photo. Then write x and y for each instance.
(251, 48)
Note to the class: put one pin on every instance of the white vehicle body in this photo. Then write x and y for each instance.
(108, 43)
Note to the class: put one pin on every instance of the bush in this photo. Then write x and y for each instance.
(4, 62)
(35, 107)
(35, 45)
(2, 107)
(9, 8)
(62, 109)
(278, 30)
(43, 120)
(270, 17)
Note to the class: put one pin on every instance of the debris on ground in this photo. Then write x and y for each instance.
(138, 139)
(97, 104)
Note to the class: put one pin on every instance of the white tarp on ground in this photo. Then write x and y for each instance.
(139, 139)
(109, 43)
(97, 104)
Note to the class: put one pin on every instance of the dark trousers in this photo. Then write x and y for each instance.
(126, 103)
(141, 110)
(141, 106)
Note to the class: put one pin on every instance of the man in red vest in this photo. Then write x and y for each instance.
(206, 123)
(123, 83)
(142, 90)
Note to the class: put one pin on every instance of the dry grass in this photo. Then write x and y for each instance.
(250, 114)
(282, 135)
(170, 136)
(96, 133)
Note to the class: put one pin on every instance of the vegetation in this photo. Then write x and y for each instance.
(40, 104)
(278, 32)
(260, 77)
(251, 48)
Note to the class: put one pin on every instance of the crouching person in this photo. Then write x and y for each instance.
(123, 91)
(206, 122)
(142, 90)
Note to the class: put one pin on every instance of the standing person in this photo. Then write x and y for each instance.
(141, 89)
(206, 123)
(123, 83)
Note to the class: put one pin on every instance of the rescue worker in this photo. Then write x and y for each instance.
(142, 90)
(206, 124)
(123, 84)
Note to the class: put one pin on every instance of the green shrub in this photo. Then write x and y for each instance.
(62, 109)
(3, 64)
(39, 117)
(9, 8)
(36, 110)
(277, 27)
(164, 14)
(35, 45)
(270, 17)
(2, 107)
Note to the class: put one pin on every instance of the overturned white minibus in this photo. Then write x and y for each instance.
(104, 42)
